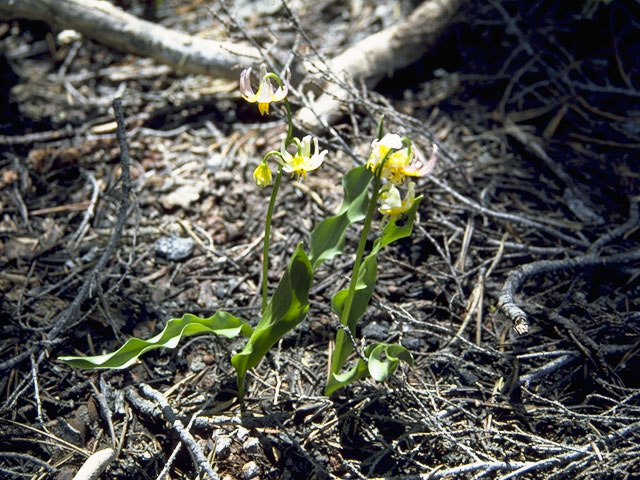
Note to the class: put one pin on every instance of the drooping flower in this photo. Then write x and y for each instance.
(303, 161)
(265, 94)
(380, 148)
(401, 163)
(262, 175)
(391, 205)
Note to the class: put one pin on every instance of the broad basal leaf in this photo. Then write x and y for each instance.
(327, 238)
(286, 309)
(339, 380)
(383, 360)
(222, 323)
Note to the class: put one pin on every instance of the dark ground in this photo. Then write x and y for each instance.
(535, 107)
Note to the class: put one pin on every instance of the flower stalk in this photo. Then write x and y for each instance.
(267, 235)
(336, 361)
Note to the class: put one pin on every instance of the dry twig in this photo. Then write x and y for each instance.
(521, 274)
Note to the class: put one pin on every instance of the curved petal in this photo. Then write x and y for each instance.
(317, 160)
(281, 92)
(265, 91)
(245, 86)
(418, 169)
(305, 146)
(390, 200)
(286, 156)
(390, 140)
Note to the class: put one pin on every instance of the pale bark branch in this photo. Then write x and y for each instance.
(109, 25)
(378, 55)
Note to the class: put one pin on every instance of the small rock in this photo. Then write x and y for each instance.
(250, 470)
(410, 342)
(174, 248)
(251, 446)
(376, 331)
(242, 434)
(183, 196)
(224, 177)
(223, 447)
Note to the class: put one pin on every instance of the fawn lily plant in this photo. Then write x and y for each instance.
(376, 184)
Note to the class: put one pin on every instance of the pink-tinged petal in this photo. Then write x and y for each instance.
(245, 85)
(418, 169)
(281, 92)
(265, 92)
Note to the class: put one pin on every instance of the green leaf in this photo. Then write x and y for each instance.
(392, 231)
(339, 380)
(222, 323)
(383, 360)
(327, 238)
(380, 129)
(286, 309)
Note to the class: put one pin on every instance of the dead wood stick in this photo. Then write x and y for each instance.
(62, 319)
(107, 24)
(518, 276)
(180, 429)
(95, 465)
(378, 55)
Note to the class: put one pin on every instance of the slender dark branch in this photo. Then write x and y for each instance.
(632, 222)
(28, 458)
(179, 428)
(13, 361)
(63, 318)
(510, 217)
(521, 274)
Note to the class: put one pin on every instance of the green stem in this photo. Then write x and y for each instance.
(360, 254)
(289, 123)
(340, 353)
(267, 235)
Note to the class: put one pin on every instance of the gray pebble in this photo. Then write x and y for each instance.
(223, 447)
(250, 470)
(174, 248)
(376, 331)
(251, 446)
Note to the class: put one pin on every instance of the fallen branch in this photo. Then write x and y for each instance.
(63, 319)
(521, 274)
(95, 465)
(109, 25)
(179, 428)
(377, 55)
